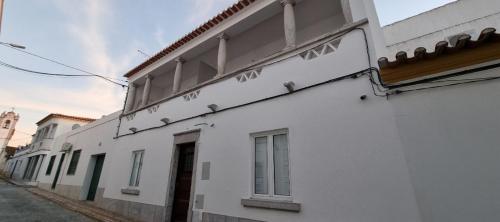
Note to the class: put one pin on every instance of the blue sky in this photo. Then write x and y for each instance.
(103, 36)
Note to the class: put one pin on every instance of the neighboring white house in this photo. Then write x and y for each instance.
(444, 23)
(26, 162)
(278, 111)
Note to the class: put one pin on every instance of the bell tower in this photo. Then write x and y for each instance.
(8, 122)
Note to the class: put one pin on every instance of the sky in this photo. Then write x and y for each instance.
(103, 36)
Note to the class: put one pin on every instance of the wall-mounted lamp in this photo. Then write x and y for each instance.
(133, 129)
(290, 86)
(165, 120)
(213, 107)
(363, 97)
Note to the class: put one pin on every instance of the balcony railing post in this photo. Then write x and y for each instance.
(222, 56)
(130, 97)
(346, 10)
(178, 75)
(289, 23)
(147, 91)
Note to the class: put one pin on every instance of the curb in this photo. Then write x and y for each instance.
(13, 182)
(82, 208)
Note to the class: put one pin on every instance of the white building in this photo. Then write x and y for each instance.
(277, 111)
(8, 122)
(26, 162)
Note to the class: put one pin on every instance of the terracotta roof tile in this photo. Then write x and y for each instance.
(232, 10)
(442, 48)
(57, 115)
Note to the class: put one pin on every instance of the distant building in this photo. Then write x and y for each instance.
(8, 122)
(25, 163)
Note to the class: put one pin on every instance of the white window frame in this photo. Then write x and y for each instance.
(138, 176)
(270, 165)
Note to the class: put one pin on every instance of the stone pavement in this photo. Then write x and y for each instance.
(17, 204)
(80, 206)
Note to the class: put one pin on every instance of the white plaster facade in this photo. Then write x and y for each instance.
(425, 30)
(17, 167)
(353, 156)
(8, 121)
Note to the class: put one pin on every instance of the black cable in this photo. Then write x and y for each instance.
(60, 63)
(56, 74)
(453, 84)
(349, 76)
(370, 74)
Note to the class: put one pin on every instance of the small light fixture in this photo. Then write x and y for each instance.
(165, 120)
(213, 107)
(290, 86)
(133, 129)
(363, 97)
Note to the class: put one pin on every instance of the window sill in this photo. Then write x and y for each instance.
(272, 204)
(131, 191)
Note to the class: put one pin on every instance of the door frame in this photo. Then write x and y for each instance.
(58, 171)
(191, 136)
(89, 174)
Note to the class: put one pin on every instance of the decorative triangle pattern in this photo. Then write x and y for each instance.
(321, 50)
(192, 95)
(253, 74)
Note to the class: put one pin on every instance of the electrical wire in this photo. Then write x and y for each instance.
(57, 74)
(61, 64)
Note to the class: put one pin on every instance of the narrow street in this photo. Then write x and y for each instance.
(17, 204)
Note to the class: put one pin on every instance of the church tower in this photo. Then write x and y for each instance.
(8, 122)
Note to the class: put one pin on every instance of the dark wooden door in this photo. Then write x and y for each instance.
(183, 183)
(58, 171)
(96, 175)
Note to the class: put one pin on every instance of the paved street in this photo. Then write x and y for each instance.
(17, 204)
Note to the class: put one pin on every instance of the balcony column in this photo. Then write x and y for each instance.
(177, 75)
(346, 10)
(130, 97)
(289, 22)
(222, 56)
(147, 91)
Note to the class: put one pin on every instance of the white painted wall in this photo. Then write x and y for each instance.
(94, 138)
(428, 28)
(450, 139)
(344, 165)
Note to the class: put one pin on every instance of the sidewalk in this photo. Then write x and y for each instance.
(74, 205)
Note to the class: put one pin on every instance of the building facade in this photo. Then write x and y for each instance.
(8, 122)
(282, 111)
(26, 162)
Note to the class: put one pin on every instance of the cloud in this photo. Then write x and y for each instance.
(206, 9)
(87, 25)
(160, 37)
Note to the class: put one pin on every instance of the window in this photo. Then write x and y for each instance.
(52, 131)
(51, 164)
(6, 125)
(74, 162)
(271, 164)
(136, 168)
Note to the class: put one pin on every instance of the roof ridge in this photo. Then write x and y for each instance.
(214, 21)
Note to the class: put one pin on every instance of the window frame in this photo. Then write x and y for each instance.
(72, 171)
(50, 165)
(270, 165)
(137, 178)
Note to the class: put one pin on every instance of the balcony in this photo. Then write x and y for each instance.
(327, 57)
(246, 42)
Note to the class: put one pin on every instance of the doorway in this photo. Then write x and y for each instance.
(58, 171)
(96, 175)
(182, 190)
